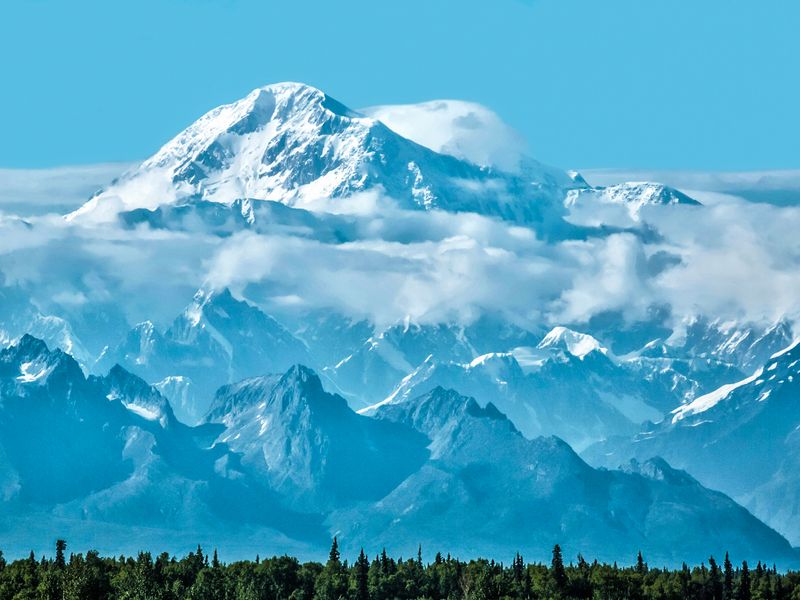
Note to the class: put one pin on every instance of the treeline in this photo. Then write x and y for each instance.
(199, 576)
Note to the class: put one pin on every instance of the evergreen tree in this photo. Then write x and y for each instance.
(61, 547)
(744, 583)
(333, 556)
(727, 579)
(641, 566)
(517, 566)
(558, 575)
(332, 581)
(93, 577)
(361, 577)
(715, 583)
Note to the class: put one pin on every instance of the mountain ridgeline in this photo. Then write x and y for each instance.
(278, 460)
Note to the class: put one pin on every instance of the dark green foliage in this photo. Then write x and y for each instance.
(332, 584)
(727, 579)
(558, 575)
(61, 547)
(744, 588)
(198, 577)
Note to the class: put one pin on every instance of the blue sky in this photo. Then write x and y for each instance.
(672, 84)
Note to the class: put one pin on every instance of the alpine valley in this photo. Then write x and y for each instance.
(297, 321)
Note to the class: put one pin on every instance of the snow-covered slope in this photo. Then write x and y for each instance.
(744, 345)
(740, 438)
(19, 316)
(572, 342)
(294, 144)
(676, 376)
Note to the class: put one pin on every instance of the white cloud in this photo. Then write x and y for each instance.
(29, 192)
(730, 259)
(462, 129)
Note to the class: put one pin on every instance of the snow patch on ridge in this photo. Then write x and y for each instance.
(33, 371)
(708, 401)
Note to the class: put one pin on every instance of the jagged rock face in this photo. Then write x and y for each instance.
(309, 444)
(19, 316)
(745, 346)
(52, 424)
(373, 371)
(624, 205)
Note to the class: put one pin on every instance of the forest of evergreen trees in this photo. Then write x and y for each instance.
(199, 576)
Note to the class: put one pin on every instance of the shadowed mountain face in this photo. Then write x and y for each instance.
(529, 494)
(51, 417)
(310, 445)
(280, 456)
(91, 453)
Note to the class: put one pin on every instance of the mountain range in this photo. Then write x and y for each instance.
(281, 455)
(258, 416)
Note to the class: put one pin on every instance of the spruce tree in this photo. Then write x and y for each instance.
(715, 582)
(727, 579)
(557, 573)
(362, 577)
(333, 556)
(744, 583)
(641, 566)
(517, 567)
(332, 581)
(61, 547)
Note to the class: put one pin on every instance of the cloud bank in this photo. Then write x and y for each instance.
(730, 259)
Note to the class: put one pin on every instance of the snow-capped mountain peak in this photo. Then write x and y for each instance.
(294, 144)
(623, 205)
(262, 146)
(579, 345)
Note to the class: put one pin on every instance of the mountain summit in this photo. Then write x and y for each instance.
(294, 144)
